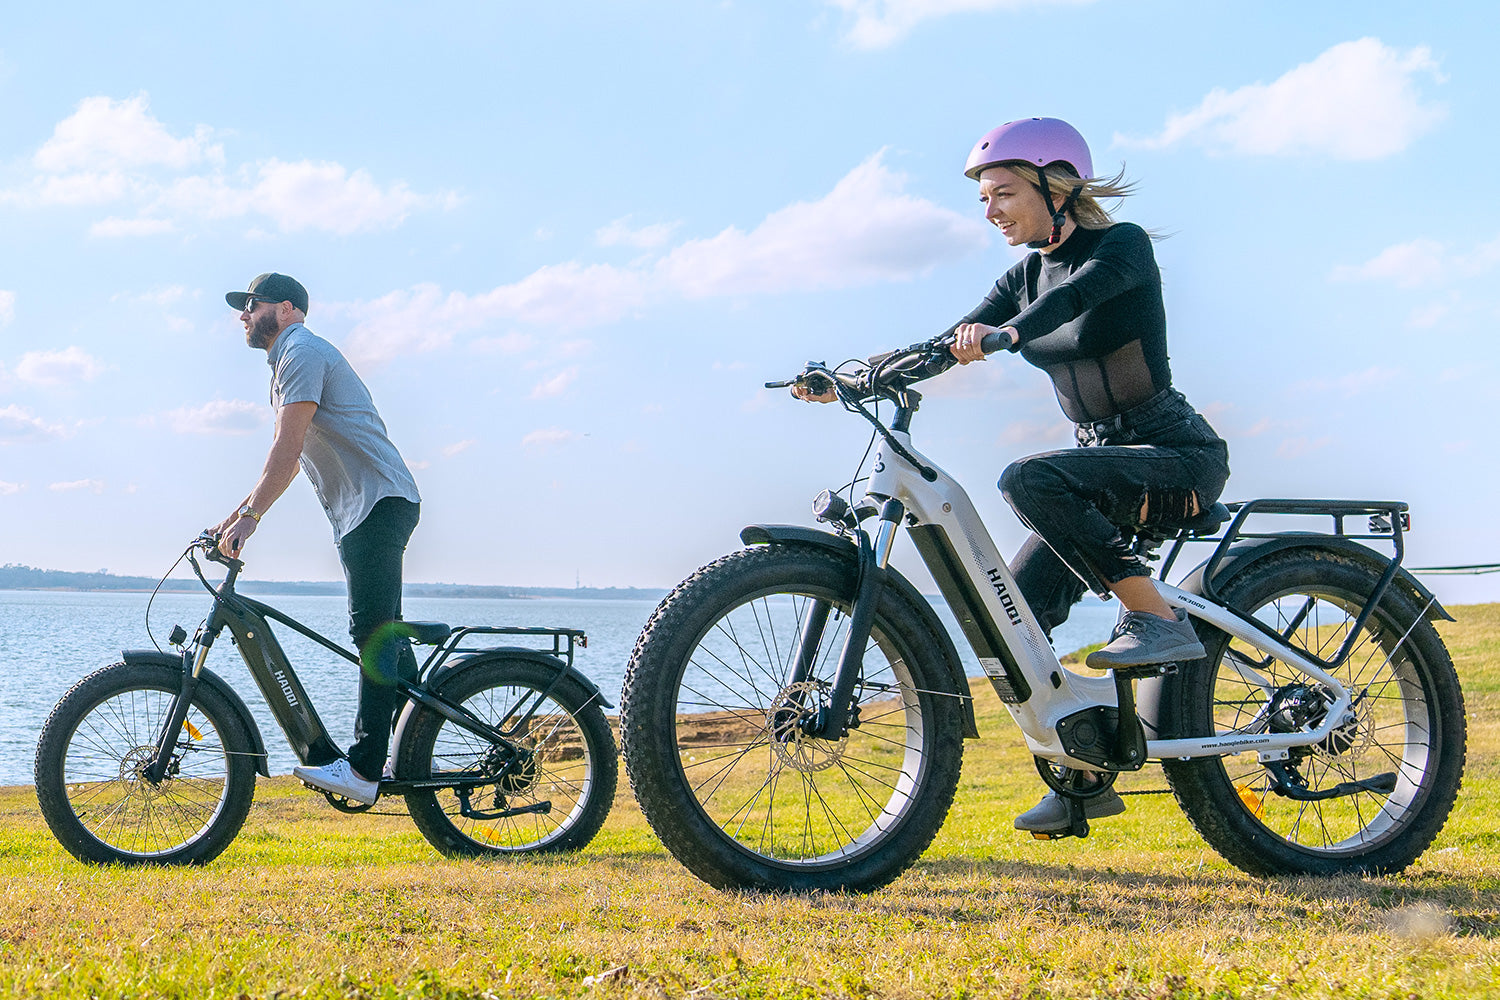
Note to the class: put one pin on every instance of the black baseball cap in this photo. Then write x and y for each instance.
(272, 287)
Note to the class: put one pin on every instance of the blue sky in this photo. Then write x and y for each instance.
(565, 246)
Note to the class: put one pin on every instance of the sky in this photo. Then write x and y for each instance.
(566, 245)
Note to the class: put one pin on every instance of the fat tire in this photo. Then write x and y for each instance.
(62, 801)
(1208, 795)
(455, 837)
(649, 723)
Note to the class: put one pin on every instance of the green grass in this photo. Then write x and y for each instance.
(308, 902)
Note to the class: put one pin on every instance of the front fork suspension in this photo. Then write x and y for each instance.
(832, 719)
(166, 740)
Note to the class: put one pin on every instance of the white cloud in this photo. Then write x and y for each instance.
(1417, 264)
(18, 426)
(115, 227)
(327, 196)
(458, 447)
(510, 343)
(619, 233)
(120, 135)
(71, 364)
(85, 188)
(549, 437)
(95, 486)
(556, 385)
(7, 307)
(866, 230)
(1352, 384)
(1300, 447)
(1360, 100)
(879, 23)
(116, 153)
(221, 416)
(164, 296)
(8, 489)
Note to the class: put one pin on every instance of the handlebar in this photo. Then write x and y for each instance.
(882, 375)
(208, 541)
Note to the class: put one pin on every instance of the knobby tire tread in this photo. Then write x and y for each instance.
(648, 727)
(92, 691)
(1206, 794)
(425, 808)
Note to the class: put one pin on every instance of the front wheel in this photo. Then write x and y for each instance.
(547, 788)
(92, 758)
(714, 720)
(1407, 731)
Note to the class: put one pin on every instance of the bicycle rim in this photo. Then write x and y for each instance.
(552, 785)
(789, 798)
(103, 768)
(1392, 731)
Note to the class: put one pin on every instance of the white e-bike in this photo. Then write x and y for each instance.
(794, 713)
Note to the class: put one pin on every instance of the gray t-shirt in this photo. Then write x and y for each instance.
(347, 456)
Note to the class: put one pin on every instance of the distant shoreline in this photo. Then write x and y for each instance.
(26, 578)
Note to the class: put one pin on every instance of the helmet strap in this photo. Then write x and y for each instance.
(1059, 215)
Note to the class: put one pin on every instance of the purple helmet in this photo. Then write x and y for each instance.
(1037, 141)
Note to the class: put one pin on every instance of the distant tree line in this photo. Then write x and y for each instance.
(14, 576)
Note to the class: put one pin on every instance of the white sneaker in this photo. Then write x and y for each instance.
(340, 779)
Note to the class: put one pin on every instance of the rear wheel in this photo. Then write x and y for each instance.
(714, 725)
(1408, 729)
(548, 788)
(92, 757)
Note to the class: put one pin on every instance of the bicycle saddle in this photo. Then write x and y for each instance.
(1206, 522)
(432, 633)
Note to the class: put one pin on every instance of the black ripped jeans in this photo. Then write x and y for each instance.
(1161, 455)
(372, 555)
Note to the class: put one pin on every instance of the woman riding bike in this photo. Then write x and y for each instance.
(1086, 308)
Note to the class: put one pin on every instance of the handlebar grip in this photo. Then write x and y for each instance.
(997, 341)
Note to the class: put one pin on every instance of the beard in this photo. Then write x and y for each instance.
(263, 330)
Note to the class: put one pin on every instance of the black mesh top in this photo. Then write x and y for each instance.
(1090, 315)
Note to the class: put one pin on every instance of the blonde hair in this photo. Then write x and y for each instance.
(1087, 210)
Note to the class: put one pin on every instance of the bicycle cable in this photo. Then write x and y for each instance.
(150, 600)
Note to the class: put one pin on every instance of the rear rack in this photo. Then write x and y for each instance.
(1386, 520)
(454, 643)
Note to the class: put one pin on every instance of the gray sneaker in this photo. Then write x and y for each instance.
(1051, 814)
(1141, 638)
(340, 779)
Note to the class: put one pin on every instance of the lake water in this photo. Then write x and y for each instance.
(49, 640)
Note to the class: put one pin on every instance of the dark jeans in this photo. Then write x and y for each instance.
(372, 555)
(1161, 454)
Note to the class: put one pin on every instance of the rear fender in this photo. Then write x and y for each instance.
(796, 534)
(1243, 554)
(213, 680)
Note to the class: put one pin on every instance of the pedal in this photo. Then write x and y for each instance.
(1078, 823)
(1146, 670)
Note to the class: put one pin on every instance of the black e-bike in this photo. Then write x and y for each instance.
(498, 749)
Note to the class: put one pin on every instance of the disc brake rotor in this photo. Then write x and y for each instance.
(796, 704)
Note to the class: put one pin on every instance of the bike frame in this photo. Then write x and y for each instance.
(1014, 652)
(292, 708)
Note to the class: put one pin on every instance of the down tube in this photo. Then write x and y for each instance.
(976, 583)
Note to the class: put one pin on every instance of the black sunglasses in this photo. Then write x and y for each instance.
(251, 300)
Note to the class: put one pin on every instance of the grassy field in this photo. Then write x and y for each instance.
(308, 902)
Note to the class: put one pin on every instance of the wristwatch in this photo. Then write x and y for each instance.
(249, 511)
